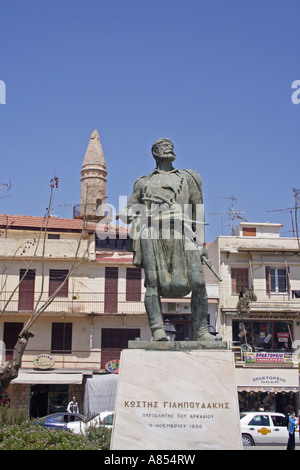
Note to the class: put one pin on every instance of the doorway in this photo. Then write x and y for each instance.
(47, 399)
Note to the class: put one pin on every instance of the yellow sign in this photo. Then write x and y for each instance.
(264, 431)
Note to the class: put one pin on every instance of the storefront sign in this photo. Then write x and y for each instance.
(282, 337)
(266, 379)
(268, 357)
(112, 366)
(44, 361)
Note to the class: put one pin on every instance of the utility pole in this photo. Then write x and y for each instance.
(292, 210)
(297, 199)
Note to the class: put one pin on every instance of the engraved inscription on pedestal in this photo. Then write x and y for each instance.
(184, 400)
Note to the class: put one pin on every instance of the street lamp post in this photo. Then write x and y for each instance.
(170, 330)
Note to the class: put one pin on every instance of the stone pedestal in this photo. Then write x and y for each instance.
(175, 396)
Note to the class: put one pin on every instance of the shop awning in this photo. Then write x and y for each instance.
(47, 378)
(267, 380)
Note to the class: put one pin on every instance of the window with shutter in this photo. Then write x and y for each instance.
(133, 284)
(10, 337)
(277, 280)
(114, 340)
(118, 337)
(111, 244)
(56, 278)
(268, 280)
(26, 290)
(111, 290)
(239, 280)
(249, 231)
(61, 340)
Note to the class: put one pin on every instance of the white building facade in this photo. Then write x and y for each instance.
(259, 312)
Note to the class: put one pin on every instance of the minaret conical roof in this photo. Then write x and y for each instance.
(94, 153)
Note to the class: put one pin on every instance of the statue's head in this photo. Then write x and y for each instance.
(163, 149)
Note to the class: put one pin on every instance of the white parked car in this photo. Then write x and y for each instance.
(102, 419)
(263, 428)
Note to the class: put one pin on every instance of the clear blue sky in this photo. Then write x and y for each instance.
(213, 75)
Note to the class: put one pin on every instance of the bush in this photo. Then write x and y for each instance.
(99, 435)
(30, 436)
(12, 415)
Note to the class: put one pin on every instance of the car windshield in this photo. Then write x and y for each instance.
(44, 418)
(74, 417)
(104, 420)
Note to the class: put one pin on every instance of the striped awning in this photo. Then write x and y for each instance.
(267, 380)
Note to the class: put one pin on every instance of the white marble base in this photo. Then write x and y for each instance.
(176, 400)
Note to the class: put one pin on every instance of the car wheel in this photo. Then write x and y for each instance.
(247, 440)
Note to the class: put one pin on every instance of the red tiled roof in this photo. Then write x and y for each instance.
(32, 222)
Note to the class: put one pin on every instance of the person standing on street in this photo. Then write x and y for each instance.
(291, 429)
(73, 406)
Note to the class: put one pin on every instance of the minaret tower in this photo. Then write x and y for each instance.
(93, 181)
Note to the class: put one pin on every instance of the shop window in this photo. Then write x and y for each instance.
(47, 399)
(242, 332)
(282, 336)
(263, 335)
(239, 280)
(267, 401)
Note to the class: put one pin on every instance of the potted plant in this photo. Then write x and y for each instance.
(244, 302)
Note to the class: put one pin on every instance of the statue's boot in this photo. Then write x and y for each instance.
(153, 309)
(202, 334)
(159, 334)
(199, 308)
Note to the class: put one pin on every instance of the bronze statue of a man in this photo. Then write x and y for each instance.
(167, 239)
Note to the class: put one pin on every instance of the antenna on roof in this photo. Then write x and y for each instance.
(232, 212)
(292, 210)
(5, 186)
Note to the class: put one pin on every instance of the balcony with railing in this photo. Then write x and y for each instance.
(73, 303)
